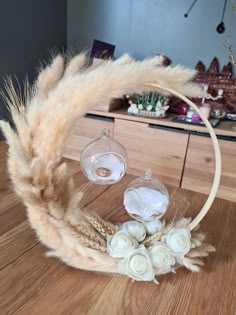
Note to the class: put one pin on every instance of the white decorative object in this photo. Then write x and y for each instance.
(149, 104)
(179, 241)
(161, 111)
(79, 238)
(162, 258)
(133, 109)
(135, 229)
(146, 198)
(209, 96)
(120, 244)
(137, 265)
(130, 110)
(104, 160)
(154, 226)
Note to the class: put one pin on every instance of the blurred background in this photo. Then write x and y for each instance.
(31, 30)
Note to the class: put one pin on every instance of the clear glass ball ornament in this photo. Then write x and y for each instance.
(146, 198)
(104, 160)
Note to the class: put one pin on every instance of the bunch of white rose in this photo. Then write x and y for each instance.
(141, 263)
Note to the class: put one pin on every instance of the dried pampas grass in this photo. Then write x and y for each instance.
(43, 118)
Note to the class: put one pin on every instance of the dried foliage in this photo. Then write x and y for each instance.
(101, 226)
(43, 117)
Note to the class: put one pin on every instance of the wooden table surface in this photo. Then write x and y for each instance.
(32, 284)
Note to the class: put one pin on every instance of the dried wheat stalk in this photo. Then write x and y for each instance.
(100, 225)
(91, 234)
(88, 242)
(152, 238)
(157, 236)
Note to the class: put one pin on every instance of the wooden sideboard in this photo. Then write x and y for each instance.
(84, 131)
(199, 166)
(149, 145)
(179, 154)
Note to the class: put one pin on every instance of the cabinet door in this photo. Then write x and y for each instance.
(200, 167)
(84, 131)
(152, 146)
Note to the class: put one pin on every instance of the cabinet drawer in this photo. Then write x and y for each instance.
(84, 131)
(155, 147)
(200, 167)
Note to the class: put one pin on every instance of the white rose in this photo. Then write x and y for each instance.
(154, 226)
(140, 106)
(161, 257)
(119, 244)
(137, 265)
(135, 229)
(179, 241)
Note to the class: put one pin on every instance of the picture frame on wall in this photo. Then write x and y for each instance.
(102, 50)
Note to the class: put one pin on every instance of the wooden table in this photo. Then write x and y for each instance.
(32, 284)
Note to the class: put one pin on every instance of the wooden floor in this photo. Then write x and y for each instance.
(32, 284)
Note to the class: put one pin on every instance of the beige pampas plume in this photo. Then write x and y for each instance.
(16, 106)
(43, 120)
(199, 249)
(154, 61)
(182, 223)
(75, 64)
(124, 59)
(75, 94)
(192, 264)
(47, 80)
(49, 77)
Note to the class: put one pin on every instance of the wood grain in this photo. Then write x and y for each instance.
(31, 284)
(84, 131)
(163, 151)
(199, 167)
(225, 128)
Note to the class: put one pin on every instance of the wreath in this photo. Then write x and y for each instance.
(43, 118)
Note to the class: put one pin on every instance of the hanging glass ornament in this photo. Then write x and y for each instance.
(146, 198)
(104, 160)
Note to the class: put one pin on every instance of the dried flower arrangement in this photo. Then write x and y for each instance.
(148, 104)
(43, 119)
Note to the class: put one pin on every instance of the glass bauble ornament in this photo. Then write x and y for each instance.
(146, 198)
(104, 160)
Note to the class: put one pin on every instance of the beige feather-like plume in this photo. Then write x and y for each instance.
(43, 120)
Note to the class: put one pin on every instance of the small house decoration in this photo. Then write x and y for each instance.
(141, 250)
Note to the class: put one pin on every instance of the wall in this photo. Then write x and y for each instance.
(146, 27)
(29, 31)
